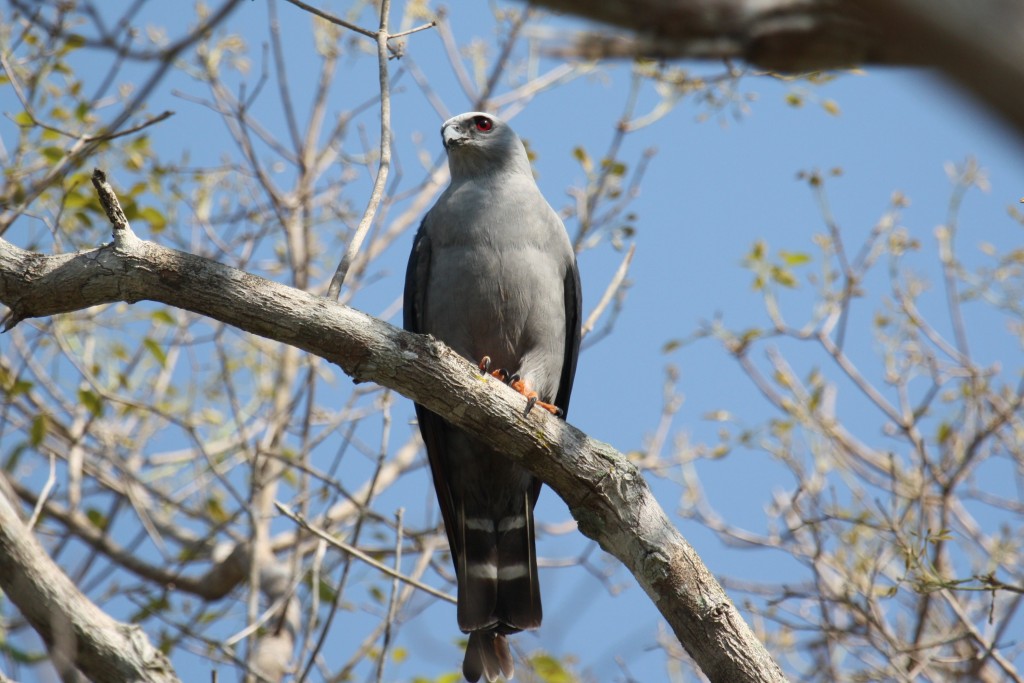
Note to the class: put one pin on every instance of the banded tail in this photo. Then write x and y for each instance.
(499, 591)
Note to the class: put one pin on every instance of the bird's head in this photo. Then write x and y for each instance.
(479, 143)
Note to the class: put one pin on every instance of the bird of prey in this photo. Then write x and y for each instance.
(493, 275)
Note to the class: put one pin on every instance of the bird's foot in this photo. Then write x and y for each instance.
(517, 383)
(531, 398)
(500, 373)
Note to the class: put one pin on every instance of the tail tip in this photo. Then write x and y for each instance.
(487, 655)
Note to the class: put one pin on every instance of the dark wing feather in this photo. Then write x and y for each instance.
(432, 427)
(573, 320)
(416, 273)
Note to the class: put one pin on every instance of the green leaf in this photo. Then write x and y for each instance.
(614, 167)
(154, 606)
(52, 153)
(581, 156)
(21, 386)
(78, 200)
(162, 316)
(157, 221)
(91, 401)
(794, 258)
(550, 670)
(757, 251)
(37, 432)
(97, 519)
(783, 277)
(154, 348)
(73, 42)
(216, 510)
(327, 592)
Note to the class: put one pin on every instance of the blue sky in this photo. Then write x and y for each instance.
(713, 188)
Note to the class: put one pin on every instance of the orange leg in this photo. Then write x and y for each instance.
(519, 385)
(485, 367)
(531, 398)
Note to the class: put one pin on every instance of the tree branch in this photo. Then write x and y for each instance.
(383, 164)
(606, 494)
(974, 43)
(79, 634)
(779, 35)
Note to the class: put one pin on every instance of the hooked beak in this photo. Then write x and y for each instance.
(451, 136)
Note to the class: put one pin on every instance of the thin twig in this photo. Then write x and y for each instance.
(422, 27)
(451, 49)
(949, 267)
(499, 65)
(82, 148)
(333, 19)
(609, 292)
(393, 601)
(385, 157)
(44, 494)
(359, 554)
(79, 139)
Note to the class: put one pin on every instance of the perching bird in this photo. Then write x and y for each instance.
(493, 275)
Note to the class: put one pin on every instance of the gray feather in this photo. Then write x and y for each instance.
(492, 273)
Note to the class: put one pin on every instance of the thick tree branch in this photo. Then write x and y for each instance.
(779, 35)
(78, 633)
(605, 492)
(976, 43)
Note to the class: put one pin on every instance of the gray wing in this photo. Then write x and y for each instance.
(432, 428)
(416, 274)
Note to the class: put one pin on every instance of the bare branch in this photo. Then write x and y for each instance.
(359, 554)
(610, 291)
(383, 164)
(81, 634)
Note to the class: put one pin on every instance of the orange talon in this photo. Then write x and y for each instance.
(531, 398)
(519, 385)
(485, 367)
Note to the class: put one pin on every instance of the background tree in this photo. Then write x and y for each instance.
(148, 444)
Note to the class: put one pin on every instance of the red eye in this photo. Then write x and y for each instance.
(483, 123)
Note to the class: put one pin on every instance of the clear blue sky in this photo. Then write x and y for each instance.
(713, 188)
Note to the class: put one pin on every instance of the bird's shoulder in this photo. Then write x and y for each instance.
(491, 196)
